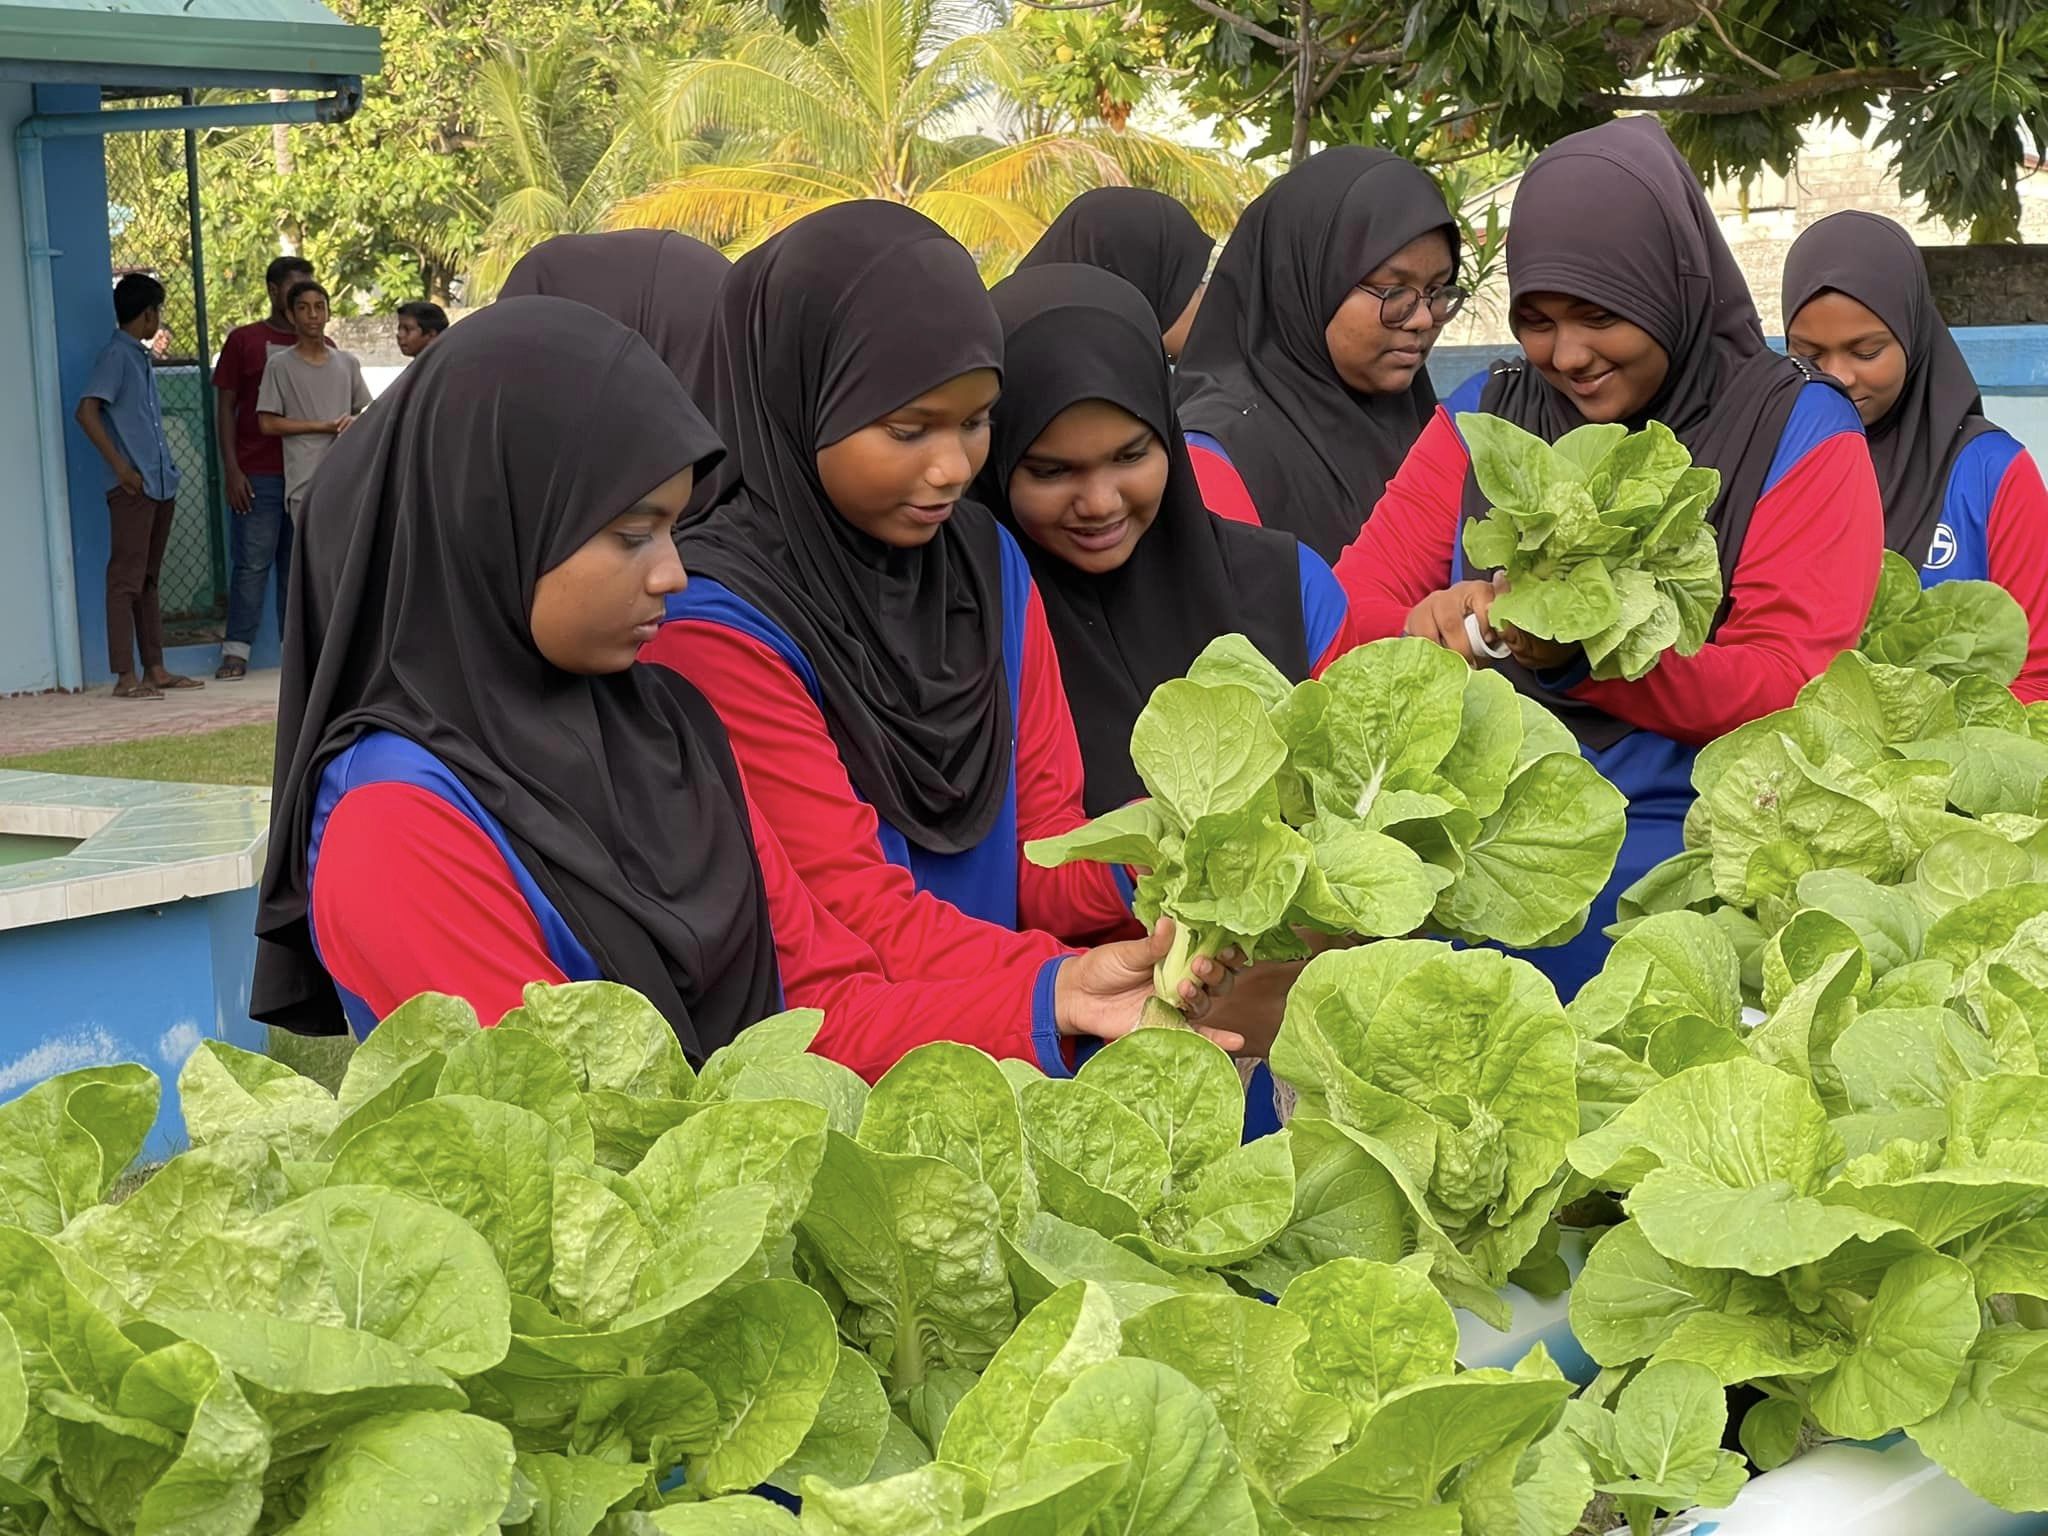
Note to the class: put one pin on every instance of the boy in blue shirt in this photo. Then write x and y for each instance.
(121, 414)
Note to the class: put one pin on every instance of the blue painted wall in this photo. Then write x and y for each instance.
(146, 985)
(28, 651)
(81, 277)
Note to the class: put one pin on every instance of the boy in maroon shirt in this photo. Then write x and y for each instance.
(253, 464)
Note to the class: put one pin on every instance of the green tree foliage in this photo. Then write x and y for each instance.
(1962, 88)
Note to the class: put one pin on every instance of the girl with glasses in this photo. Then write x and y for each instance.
(1304, 381)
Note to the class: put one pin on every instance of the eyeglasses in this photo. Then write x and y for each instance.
(1398, 305)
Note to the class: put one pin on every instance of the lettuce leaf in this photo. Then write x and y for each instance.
(1602, 537)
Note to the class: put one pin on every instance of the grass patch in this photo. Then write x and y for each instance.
(238, 754)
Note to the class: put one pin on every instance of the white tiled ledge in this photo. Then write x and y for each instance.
(143, 845)
(54, 820)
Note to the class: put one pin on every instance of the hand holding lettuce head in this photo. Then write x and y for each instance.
(1600, 541)
(1400, 792)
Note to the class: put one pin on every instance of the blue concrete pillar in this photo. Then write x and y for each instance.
(81, 276)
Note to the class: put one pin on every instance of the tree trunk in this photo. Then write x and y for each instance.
(1304, 79)
(281, 160)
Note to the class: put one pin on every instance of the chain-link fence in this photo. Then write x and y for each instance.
(152, 192)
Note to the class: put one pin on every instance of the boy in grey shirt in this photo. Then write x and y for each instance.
(310, 393)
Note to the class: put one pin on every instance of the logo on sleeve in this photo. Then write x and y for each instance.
(1941, 554)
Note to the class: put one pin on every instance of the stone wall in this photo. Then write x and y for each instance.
(1976, 285)
(1991, 284)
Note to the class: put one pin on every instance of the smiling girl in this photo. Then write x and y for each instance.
(1303, 384)
(1089, 469)
(1630, 308)
(1962, 499)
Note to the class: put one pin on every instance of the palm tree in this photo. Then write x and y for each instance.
(885, 105)
(565, 135)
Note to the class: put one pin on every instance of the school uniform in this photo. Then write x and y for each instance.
(1797, 520)
(457, 814)
(1993, 526)
(1962, 500)
(416, 887)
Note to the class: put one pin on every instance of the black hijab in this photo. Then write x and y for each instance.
(1615, 216)
(496, 456)
(1073, 333)
(654, 281)
(821, 331)
(1875, 262)
(1257, 375)
(1146, 238)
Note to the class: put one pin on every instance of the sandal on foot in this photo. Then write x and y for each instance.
(232, 668)
(139, 691)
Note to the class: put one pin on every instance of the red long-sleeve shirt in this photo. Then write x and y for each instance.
(2017, 540)
(1799, 595)
(833, 836)
(411, 895)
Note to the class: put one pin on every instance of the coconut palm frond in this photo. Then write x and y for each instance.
(997, 230)
(1042, 174)
(727, 205)
(913, 100)
(738, 94)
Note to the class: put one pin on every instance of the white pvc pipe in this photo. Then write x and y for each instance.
(1885, 1488)
(1536, 1321)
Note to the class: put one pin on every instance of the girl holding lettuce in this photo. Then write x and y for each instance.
(1630, 308)
(1962, 499)
(1088, 469)
(477, 786)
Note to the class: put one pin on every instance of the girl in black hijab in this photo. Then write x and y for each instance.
(1088, 469)
(871, 636)
(1144, 237)
(477, 787)
(1630, 308)
(1962, 499)
(657, 282)
(1304, 381)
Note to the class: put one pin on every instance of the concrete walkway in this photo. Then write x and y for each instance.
(46, 722)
